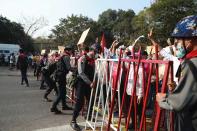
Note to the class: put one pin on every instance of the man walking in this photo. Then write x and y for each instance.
(63, 67)
(22, 64)
(48, 72)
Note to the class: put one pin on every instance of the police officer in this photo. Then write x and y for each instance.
(63, 67)
(85, 82)
(47, 73)
(183, 99)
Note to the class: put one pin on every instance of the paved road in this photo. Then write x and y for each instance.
(22, 108)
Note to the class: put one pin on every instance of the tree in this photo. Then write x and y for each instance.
(163, 16)
(32, 25)
(12, 32)
(123, 26)
(116, 25)
(70, 29)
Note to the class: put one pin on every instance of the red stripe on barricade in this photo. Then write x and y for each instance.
(123, 97)
(164, 84)
(136, 63)
(146, 96)
(133, 97)
(144, 90)
(171, 113)
(114, 92)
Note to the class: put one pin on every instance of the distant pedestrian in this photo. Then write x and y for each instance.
(1, 59)
(12, 61)
(22, 64)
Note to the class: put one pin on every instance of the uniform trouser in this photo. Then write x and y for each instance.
(42, 81)
(183, 121)
(82, 90)
(35, 68)
(139, 111)
(51, 84)
(24, 76)
(61, 93)
(38, 71)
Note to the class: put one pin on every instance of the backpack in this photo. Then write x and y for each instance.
(61, 70)
(49, 69)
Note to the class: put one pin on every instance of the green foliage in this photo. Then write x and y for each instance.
(125, 25)
(70, 29)
(13, 33)
(10, 32)
(116, 25)
(163, 16)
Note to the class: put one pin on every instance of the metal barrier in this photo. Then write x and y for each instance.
(70, 95)
(108, 89)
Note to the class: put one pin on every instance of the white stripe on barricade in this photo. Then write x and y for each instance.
(104, 76)
(108, 78)
(102, 94)
(70, 90)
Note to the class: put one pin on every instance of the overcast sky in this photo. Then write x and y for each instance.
(53, 10)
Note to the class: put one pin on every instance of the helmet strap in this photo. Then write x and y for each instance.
(184, 48)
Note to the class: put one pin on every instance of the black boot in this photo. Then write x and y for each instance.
(75, 126)
(47, 99)
(56, 111)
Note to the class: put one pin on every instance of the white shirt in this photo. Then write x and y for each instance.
(139, 89)
(176, 62)
(11, 59)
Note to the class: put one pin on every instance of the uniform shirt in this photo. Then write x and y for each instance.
(66, 59)
(85, 73)
(63, 65)
(183, 99)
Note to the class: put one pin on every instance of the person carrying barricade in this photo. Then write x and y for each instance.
(183, 99)
(167, 53)
(48, 76)
(62, 68)
(85, 82)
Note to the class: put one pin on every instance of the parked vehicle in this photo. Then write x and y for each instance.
(7, 49)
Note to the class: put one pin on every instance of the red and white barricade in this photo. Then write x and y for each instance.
(109, 92)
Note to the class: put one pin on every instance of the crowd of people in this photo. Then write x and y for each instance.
(182, 51)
